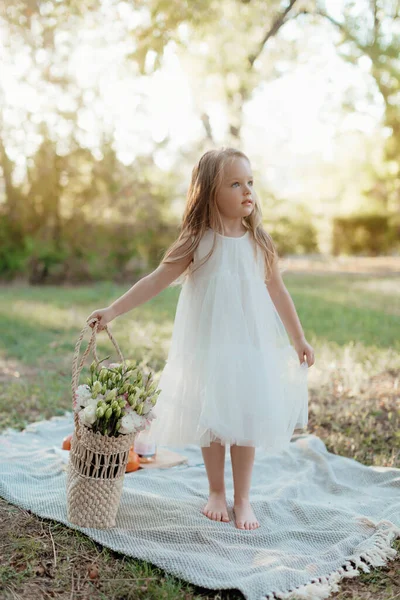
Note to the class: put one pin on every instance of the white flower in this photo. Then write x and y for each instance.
(114, 365)
(92, 402)
(147, 406)
(151, 415)
(83, 390)
(83, 395)
(131, 421)
(88, 415)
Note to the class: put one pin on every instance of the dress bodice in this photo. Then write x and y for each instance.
(238, 256)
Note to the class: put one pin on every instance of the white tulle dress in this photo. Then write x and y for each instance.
(231, 373)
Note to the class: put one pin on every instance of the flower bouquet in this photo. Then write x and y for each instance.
(110, 408)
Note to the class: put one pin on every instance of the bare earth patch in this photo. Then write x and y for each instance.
(362, 426)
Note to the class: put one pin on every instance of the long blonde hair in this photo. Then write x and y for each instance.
(201, 212)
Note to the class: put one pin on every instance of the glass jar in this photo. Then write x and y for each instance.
(145, 446)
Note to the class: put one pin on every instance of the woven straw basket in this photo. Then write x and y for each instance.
(97, 462)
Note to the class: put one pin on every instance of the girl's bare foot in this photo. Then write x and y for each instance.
(216, 508)
(244, 515)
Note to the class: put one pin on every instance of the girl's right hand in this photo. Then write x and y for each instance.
(103, 315)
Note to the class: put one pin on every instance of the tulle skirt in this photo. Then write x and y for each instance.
(231, 374)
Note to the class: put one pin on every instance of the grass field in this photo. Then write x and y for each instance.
(352, 321)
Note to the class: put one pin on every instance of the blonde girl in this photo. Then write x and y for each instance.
(232, 375)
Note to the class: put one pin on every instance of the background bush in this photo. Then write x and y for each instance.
(367, 234)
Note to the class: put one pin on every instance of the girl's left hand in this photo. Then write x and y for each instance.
(302, 348)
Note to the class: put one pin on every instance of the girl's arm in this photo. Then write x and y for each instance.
(143, 290)
(287, 312)
(149, 286)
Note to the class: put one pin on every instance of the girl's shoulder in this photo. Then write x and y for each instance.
(204, 246)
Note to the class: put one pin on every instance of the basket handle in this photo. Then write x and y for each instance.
(76, 369)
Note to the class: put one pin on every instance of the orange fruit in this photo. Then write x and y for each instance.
(133, 461)
(66, 443)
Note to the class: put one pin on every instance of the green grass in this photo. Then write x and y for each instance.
(340, 308)
(353, 322)
(40, 326)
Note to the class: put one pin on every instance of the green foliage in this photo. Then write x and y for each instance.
(85, 252)
(293, 236)
(13, 250)
(162, 26)
(368, 234)
(107, 223)
(44, 256)
(117, 251)
(370, 29)
(394, 225)
(21, 13)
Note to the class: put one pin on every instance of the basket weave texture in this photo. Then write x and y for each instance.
(97, 462)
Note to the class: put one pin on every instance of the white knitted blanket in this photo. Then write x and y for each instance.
(323, 517)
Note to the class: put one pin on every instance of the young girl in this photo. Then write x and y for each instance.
(232, 376)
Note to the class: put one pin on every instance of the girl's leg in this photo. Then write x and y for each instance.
(242, 466)
(214, 460)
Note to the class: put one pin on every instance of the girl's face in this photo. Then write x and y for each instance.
(235, 198)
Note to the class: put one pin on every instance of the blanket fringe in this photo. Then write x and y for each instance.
(376, 551)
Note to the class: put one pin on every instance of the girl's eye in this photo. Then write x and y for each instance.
(238, 182)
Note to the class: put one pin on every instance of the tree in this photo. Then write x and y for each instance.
(222, 44)
(371, 29)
